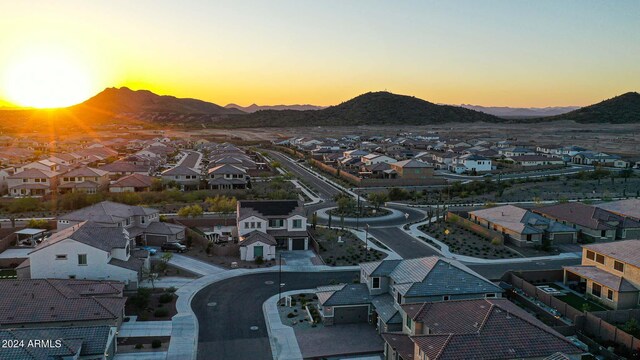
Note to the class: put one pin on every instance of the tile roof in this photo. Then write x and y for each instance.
(258, 236)
(627, 207)
(83, 341)
(269, 208)
(107, 212)
(386, 308)
(623, 250)
(163, 228)
(41, 301)
(180, 170)
(410, 164)
(133, 180)
(132, 263)
(100, 237)
(526, 337)
(85, 171)
(602, 277)
(348, 294)
(401, 343)
(588, 216)
(227, 169)
(520, 220)
(33, 173)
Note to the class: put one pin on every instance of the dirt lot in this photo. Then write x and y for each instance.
(348, 252)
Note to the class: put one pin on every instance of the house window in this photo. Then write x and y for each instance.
(246, 225)
(491, 295)
(253, 225)
(618, 266)
(297, 224)
(375, 283)
(591, 255)
(72, 276)
(610, 294)
(274, 223)
(528, 237)
(446, 298)
(600, 259)
(259, 225)
(399, 298)
(82, 259)
(603, 233)
(61, 257)
(596, 290)
(409, 322)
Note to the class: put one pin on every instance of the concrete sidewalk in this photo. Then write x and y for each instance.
(167, 282)
(314, 198)
(282, 338)
(145, 328)
(154, 355)
(193, 265)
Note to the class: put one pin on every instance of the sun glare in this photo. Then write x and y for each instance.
(46, 79)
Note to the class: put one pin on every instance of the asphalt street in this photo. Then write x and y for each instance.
(322, 188)
(403, 244)
(227, 310)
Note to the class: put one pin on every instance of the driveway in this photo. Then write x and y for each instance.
(193, 265)
(145, 328)
(343, 339)
(167, 282)
(298, 258)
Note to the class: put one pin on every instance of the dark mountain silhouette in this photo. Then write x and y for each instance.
(125, 100)
(373, 108)
(515, 112)
(254, 107)
(621, 109)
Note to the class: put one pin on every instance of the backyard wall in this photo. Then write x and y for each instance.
(476, 228)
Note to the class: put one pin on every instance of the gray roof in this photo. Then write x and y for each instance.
(85, 341)
(107, 212)
(163, 228)
(180, 170)
(100, 237)
(347, 294)
(132, 263)
(258, 236)
(386, 308)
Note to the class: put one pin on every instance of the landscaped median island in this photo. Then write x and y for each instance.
(300, 311)
(152, 304)
(343, 248)
(465, 242)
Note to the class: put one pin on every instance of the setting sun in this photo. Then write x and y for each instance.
(46, 79)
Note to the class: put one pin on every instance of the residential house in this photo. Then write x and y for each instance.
(593, 223)
(44, 303)
(284, 220)
(227, 177)
(372, 159)
(385, 286)
(186, 177)
(535, 160)
(599, 158)
(121, 168)
(628, 208)
(88, 251)
(522, 227)
(32, 182)
(45, 165)
(132, 183)
(4, 176)
(475, 329)
(472, 163)
(83, 179)
(258, 245)
(412, 169)
(78, 342)
(609, 273)
(142, 224)
(515, 151)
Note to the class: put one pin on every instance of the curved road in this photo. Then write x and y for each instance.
(225, 329)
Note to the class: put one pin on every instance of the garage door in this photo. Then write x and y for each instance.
(297, 244)
(350, 315)
(156, 240)
(562, 238)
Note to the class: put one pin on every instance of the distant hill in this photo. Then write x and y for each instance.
(253, 107)
(125, 100)
(373, 108)
(621, 109)
(514, 112)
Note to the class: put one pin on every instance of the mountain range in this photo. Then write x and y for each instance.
(372, 108)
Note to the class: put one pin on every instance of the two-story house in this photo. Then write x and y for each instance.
(388, 284)
(142, 224)
(593, 223)
(185, 176)
(522, 227)
(475, 329)
(412, 169)
(471, 163)
(227, 177)
(88, 251)
(609, 273)
(83, 179)
(283, 220)
(32, 182)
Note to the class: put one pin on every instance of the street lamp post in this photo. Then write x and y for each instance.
(279, 277)
(358, 214)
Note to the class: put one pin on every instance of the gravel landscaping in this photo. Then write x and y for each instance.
(350, 251)
(296, 315)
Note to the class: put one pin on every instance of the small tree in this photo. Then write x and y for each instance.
(377, 199)
(38, 224)
(164, 261)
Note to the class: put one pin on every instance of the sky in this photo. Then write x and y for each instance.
(501, 53)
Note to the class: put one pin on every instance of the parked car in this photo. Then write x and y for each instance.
(173, 246)
(152, 251)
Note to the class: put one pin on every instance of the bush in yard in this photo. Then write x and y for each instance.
(156, 343)
(290, 315)
(161, 313)
(172, 290)
(139, 346)
(259, 260)
(165, 298)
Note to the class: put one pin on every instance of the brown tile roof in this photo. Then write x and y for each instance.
(401, 343)
(41, 301)
(504, 333)
(588, 216)
(627, 207)
(624, 250)
(258, 236)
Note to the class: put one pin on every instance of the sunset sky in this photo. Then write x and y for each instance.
(506, 53)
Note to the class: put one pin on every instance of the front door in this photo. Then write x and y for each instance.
(258, 251)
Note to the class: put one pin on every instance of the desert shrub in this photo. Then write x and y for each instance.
(139, 346)
(156, 343)
(165, 298)
(161, 313)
